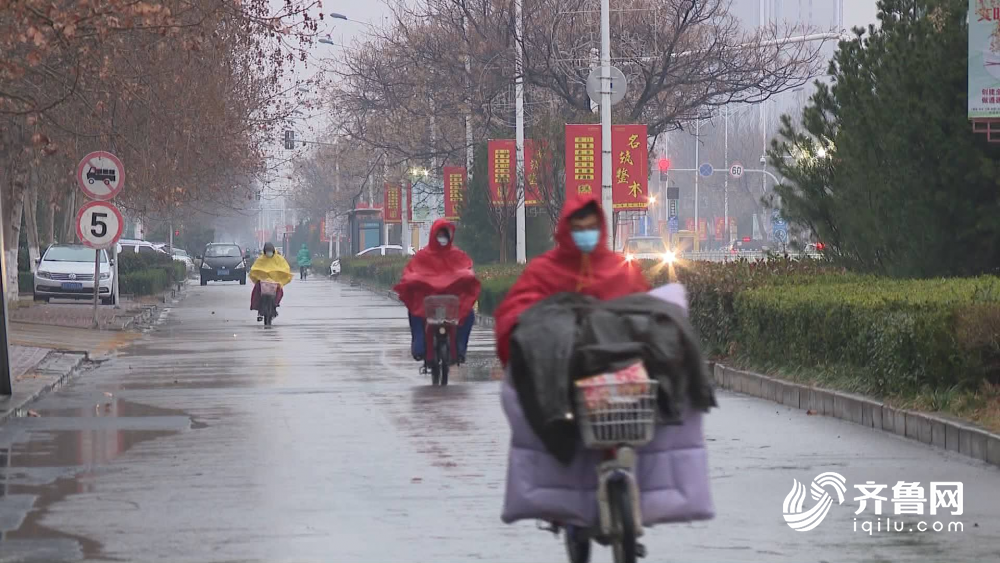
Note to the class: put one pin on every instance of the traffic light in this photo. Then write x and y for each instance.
(664, 165)
(177, 232)
(820, 246)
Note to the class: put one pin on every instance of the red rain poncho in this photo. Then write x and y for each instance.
(439, 270)
(602, 274)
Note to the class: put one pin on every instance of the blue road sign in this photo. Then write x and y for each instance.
(673, 224)
(706, 170)
(780, 235)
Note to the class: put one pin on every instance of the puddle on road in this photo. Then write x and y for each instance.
(45, 459)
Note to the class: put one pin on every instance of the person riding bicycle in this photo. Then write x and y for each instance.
(440, 268)
(573, 308)
(269, 266)
(581, 262)
(304, 260)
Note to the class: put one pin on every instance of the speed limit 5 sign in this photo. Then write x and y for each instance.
(99, 224)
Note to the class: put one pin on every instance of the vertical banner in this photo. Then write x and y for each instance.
(455, 178)
(720, 228)
(391, 211)
(689, 224)
(532, 194)
(702, 229)
(630, 161)
(583, 162)
(984, 59)
(501, 169)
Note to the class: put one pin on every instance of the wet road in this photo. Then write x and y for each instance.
(213, 439)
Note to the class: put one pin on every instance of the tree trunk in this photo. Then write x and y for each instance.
(12, 231)
(31, 220)
(50, 225)
(69, 218)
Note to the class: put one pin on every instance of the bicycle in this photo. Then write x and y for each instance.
(615, 418)
(440, 330)
(267, 308)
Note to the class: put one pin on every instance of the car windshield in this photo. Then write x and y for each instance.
(646, 246)
(178, 252)
(72, 254)
(220, 251)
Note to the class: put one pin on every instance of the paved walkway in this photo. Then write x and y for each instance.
(23, 358)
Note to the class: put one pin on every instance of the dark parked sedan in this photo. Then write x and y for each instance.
(223, 262)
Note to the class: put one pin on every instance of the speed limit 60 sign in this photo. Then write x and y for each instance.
(99, 224)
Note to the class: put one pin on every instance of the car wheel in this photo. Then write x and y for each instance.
(243, 280)
(39, 298)
(204, 281)
(107, 301)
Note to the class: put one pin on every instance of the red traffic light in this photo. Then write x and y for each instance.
(820, 246)
(177, 233)
(663, 164)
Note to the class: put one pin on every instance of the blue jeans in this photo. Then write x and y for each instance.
(419, 345)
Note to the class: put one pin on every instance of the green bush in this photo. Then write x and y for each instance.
(903, 335)
(144, 282)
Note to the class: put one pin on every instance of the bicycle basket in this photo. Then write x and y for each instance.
(441, 309)
(616, 410)
(268, 288)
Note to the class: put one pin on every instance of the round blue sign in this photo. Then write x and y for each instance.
(706, 170)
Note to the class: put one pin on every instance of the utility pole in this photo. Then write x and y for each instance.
(5, 384)
(725, 198)
(607, 201)
(697, 165)
(468, 113)
(522, 255)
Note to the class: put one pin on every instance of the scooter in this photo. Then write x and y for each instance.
(267, 308)
(441, 333)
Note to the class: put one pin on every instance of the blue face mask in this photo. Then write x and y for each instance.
(586, 241)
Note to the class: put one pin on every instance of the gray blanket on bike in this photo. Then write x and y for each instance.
(571, 336)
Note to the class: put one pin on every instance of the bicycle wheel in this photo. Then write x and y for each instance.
(443, 354)
(623, 522)
(577, 544)
(435, 373)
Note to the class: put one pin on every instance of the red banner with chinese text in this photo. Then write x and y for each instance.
(630, 162)
(391, 210)
(583, 159)
(531, 168)
(502, 170)
(501, 167)
(702, 229)
(720, 228)
(455, 178)
(689, 224)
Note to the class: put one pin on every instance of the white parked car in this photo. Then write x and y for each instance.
(66, 271)
(139, 247)
(385, 250)
(183, 256)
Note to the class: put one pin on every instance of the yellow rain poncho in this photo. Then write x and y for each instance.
(273, 269)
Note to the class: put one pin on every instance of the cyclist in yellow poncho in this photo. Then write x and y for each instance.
(269, 266)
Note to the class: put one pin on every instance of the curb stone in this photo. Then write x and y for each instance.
(51, 373)
(929, 429)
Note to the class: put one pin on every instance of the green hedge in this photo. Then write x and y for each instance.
(897, 336)
(144, 282)
(148, 274)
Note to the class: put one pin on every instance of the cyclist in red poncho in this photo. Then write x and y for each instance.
(581, 262)
(439, 269)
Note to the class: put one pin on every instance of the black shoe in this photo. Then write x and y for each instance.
(418, 357)
(461, 359)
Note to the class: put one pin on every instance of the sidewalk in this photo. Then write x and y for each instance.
(82, 315)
